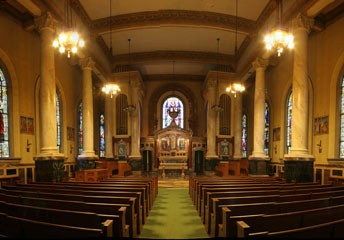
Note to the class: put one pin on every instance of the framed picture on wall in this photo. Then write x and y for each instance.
(321, 125)
(23, 125)
(70, 133)
(30, 126)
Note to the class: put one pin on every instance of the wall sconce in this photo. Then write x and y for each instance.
(319, 147)
(28, 144)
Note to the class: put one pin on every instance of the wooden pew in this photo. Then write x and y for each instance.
(280, 222)
(22, 228)
(131, 213)
(328, 230)
(58, 216)
(230, 211)
(115, 212)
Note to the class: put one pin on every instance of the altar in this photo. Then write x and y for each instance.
(173, 149)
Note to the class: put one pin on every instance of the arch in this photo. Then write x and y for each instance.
(14, 124)
(338, 72)
(184, 93)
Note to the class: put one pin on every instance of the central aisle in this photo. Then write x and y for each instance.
(173, 217)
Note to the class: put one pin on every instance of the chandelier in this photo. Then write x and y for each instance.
(111, 89)
(279, 39)
(68, 40)
(234, 88)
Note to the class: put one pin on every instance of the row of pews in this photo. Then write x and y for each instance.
(114, 207)
(237, 207)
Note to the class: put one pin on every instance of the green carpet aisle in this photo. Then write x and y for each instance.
(173, 217)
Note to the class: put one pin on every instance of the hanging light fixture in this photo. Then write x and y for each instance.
(111, 88)
(235, 87)
(130, 108)
(279, 39)
(68, 40)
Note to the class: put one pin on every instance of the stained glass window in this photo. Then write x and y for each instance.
(244, 135)
(289, 117)
(59, 120)
(101, 136)
(4, 118)
(80, 132)
(341, 139)
(172, 104)
(267, 129)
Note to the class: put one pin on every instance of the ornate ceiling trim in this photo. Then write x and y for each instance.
(206, 57)
(173, 77)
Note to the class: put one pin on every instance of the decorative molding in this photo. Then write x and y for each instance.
(173, 77)
(87, 62)
(302, 21)
(45, 21)
(176, 17)
(260, 63)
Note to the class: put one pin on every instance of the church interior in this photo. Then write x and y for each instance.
(130, 118)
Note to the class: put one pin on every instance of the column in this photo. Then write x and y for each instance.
(258, 159)
(237, 118)
(49, 162)
(211, 119)
(87, 159)
(299, 163)
(109, 158)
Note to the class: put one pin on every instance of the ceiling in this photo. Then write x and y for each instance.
(175, 37)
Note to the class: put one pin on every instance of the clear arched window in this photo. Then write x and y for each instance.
(172, 104)
(341, 137)
(101, 136)
(4, 118)
(80, 132)
(225, 115)
(59, 120)
(267, 129)
(244, 135)
(289, 118)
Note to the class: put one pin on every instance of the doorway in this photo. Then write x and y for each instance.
(147, 160)
(199, 162)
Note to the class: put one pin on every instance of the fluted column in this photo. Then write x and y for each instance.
(298, 164)
(88, 156)
(135, 86)
(237, 118)
(108, 128)
(260, 65)
(49, 163)
(211, 122)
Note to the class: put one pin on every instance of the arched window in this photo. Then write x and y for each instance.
(4, 118)
(341, 136)
(225, 115)
(172, 104)
(101, 136)
(59, 120)
(267, 129)
(244, 135)
(80, 132)
(121, 115)
(288, 125)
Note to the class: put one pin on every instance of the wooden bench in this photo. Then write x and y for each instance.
(243, 226)
(131, 213)
(328, 230)
(115, 212)
(57, 216)
(19, 228)
(230, 211)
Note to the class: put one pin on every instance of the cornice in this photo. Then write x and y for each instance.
(172, 17)
(208, 57)
(173, 77)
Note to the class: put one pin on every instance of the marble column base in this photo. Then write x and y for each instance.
(258, 166)
(49, 169)
(83, 163)
(298, 170)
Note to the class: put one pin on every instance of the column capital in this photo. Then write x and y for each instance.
(87, 63)
(46, 21)
(302, 21)
(136, 83)
(260, 63)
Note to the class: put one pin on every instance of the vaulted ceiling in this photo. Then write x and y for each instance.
(176, 37)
